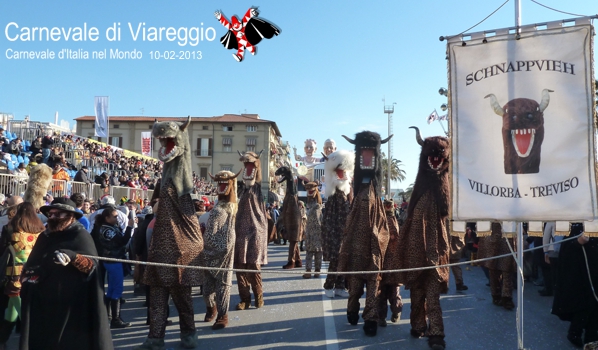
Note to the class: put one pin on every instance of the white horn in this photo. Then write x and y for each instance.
(545, 99)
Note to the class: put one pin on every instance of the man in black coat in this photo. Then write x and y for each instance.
(62, 303)
(575, 297)
(81, 176)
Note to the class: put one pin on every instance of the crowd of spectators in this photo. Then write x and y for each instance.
(84, 160)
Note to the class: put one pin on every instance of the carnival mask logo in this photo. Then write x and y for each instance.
(522, 132)
(245, 34)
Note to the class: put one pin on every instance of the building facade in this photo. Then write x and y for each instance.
(214, 141)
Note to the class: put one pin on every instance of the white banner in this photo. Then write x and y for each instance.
(101, 109)
(146, 143)
(522, 126)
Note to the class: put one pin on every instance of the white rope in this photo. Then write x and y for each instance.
(277, 271)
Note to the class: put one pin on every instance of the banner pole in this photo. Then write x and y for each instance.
(520, 282)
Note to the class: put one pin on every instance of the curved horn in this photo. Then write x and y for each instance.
(495, 105)
(545, 99)
(212, 176)
(418, 135)
(239, 173)
(259, 154)
(185, 124)
(240, 154)
(386, 139)
(348, 139)
(324, 155)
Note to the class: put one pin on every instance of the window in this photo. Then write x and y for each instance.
(203, 173)
(251, 141)
(226, 167)
(116, 126)
(116, 141)
(204, 127)
(227, 149)
(151, 126)
(227, 141)
(250, 149)
(251, 128)
(227, 128)
(204, 147)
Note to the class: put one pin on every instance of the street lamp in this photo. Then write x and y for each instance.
(389, 110)
(442, 91)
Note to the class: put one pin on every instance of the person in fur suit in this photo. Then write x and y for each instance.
(219, 248)
(251, 246)
(313, 230)
(338, 172)
(366, 232)
(424, 241)
(390, 289)
(291, 218)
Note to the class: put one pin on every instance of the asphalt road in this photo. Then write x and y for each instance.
(297, 315)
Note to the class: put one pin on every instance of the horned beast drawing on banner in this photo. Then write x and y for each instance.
(522, 132)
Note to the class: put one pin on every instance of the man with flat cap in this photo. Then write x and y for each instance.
(62, 302)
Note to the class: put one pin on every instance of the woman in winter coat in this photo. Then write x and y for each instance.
(111, 242)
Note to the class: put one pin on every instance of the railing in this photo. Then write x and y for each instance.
(16, 185)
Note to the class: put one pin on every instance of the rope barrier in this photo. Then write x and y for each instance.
(210, 268)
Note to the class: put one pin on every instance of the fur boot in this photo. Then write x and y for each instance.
(210, 313)
(507, 303)
(317, 274)
(352, 317)
(436, 342)
(370, 328)
(307, 273)
(259, 301)
(244, 305)
(221, 322)
(152, 344)
(188, 340)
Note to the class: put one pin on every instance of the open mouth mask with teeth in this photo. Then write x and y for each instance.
(434, 154)
(313, 193)
(252, 171)
(171, 138)
(522, 132)
(389, 205)
(226, 185)
(338, 171)
(367, 151)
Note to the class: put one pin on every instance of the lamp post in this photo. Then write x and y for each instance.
(389, 110)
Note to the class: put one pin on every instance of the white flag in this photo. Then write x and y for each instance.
(101, 109)
(432, 117)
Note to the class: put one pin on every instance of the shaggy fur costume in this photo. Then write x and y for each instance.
(219, 245)
(313, 228)
(424, 240)
(338, 171)
(38, 184)
(177, 237)
(291, 217)
(251, 246)
(366, 232)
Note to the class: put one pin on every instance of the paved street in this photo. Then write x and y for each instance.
(298, 315)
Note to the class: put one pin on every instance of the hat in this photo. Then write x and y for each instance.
(84, 167)
(63, 204)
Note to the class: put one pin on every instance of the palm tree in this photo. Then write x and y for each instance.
(396, 173)
(407, 193)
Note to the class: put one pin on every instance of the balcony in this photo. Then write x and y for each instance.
(203, 153)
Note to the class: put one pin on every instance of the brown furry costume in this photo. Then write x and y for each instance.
(251, 246)
(176, 238)
(338, 171)
(366, 232)
(424, 240)
(219, 246)
(390, 289)
(493, 245)
(291, 218)
(313, 230)
(38, 184)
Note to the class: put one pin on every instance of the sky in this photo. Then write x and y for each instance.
(324, 76)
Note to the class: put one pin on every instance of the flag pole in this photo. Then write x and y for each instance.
(519, 245)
